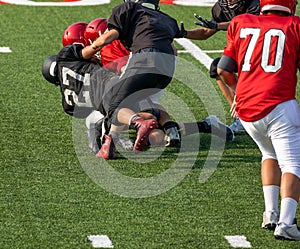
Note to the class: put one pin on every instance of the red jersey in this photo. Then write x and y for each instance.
(267, 51)
(114, 56)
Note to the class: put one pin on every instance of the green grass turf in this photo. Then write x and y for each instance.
(47, 199)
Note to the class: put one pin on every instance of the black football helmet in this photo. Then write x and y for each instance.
(233, 5)
(49, 70)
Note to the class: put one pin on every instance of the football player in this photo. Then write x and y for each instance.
(115, 56)
(222, 13)
(266, 51)
(148, 34)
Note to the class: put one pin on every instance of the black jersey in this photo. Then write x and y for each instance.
(140, 27)
(79, 96)
(222, 13)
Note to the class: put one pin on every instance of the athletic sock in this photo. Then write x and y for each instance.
(271, 197)
(191, 128)
(288, 210)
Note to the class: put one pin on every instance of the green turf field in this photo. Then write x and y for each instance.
(54, 193)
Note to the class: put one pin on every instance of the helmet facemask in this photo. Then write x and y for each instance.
(233, 5)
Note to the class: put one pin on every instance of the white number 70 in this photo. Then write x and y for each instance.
(255, 32)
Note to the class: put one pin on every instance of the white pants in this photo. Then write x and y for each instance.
(278, 136)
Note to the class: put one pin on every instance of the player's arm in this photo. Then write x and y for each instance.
(211, 24)
(174, 49)
(200, 33)
(89, 51)
(226, 72)
(223, 25)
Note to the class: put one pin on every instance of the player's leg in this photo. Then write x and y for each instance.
(94, 133)
(284, 131)
(170, 128)
(211, 124)
(270, 171)
(228, 93)
(271, 177)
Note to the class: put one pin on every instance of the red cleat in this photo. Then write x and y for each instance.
(108, 148)
(144, 127)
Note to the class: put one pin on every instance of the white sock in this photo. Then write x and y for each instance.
(271, 197)
(114, 134)
(288, 210)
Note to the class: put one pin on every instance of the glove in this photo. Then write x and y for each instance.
(182, 31)
(206, 23)
(125, 143)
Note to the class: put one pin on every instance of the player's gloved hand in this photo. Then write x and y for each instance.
(206, 23)
(125, 143)
(182, 32)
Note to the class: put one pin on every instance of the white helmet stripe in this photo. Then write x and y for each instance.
(275, 7)
(52, 68)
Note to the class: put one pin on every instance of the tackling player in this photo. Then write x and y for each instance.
(115, 56)
(266, 51)
(148, 34)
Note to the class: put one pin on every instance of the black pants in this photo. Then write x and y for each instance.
(147, 73)
(129, 91)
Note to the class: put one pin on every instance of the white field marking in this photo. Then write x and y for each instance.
(205, 51)
(5, 50)
(195, 3)
(77, 3)
(195, 51)
(100, 241)
(238, 241)
(98, 2)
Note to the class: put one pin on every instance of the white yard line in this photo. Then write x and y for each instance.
(195, 51)
(195, 3)
(205, 51)
(238, 241)
(202, 3)
(5, 50)
(76, 3)
(100, 241)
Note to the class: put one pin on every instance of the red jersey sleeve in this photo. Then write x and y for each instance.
(114, 56)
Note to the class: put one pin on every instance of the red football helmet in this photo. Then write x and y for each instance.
(74, 33)
(282, 5)
(94, 29)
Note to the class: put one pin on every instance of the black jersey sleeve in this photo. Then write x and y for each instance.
(71, 52)
(121, 18)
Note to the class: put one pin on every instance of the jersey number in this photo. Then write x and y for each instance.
(77, 79)
(272, 33)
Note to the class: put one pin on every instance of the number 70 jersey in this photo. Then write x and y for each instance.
(266, 49)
